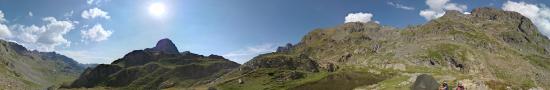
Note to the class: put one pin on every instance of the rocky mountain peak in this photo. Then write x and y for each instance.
(496, 14)
(161, 65)
(165, 45)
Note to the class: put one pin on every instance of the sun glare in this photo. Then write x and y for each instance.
(157, 9)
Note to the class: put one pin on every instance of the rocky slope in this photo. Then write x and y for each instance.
(160, 67)
(487, 49)
(23, 69)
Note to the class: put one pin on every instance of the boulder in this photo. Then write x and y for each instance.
(425, 82)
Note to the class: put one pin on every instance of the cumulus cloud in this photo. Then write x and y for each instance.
(438, 7)
(4, 31)
(43, 38)
(243, 55)
(96, 33)
(89, 2)
(2, 19)
(69, 14)
(96, 2)
(95, 13)
(359, 17)
(400, 6)
(539, 14)
(30, 14)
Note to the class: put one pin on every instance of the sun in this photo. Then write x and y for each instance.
(157, 9)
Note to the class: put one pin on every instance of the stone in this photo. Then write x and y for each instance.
(425, 82)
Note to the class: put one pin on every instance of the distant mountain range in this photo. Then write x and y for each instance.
(24, 69)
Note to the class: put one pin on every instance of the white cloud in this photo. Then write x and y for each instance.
(30, 14)
(4, 31)
(400, 6)
(28, 34)
(96, 2)
(453, 6)
(430, 14)
(358, 17)
(525, 9)
(438, 7)
(89, 2)
(68, 14)
(539, 14)
(95, 13)
(243, 55)
(43, 38)
(96, 33)
(2, 19)
(85, 56)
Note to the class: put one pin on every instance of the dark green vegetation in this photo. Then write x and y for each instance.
(488, 49)
(31, 70)
(161, 67)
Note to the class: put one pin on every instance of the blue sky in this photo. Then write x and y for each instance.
(100, 31)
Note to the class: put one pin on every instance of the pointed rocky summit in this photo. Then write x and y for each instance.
(166, 46)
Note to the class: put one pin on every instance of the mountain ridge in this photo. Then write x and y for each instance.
(475, 49)
(487, 49)
(155, 68)
(25, 69)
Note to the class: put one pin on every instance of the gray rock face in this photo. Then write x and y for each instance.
(425, 82)
(166, 46)
(285, 48)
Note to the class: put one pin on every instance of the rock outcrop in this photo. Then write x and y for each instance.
(165, 45)
(285, 48)
(425, 82)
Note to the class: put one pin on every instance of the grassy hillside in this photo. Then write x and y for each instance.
(488, 49)
(23, 69)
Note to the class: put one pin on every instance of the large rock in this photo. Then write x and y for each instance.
(166, 46)
(425, 82)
